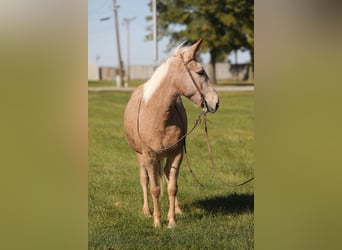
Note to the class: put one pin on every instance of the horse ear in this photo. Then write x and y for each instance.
(188, 53)
(194, 48)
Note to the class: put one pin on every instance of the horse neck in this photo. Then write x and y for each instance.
(162, 102)
(164, 98)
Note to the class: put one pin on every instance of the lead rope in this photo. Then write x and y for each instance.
(207, 139)
(209, 151)
(189, 167)
(212, 158)
(242, 183)
(206, 131)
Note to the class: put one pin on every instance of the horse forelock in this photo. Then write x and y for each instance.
(151, 86)
(181, 48)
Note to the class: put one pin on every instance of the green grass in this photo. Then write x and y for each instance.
(215, 216)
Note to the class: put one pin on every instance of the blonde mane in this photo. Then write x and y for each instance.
(151, 86)
(181, 47)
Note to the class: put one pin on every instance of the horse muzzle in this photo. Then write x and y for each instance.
(211, 106)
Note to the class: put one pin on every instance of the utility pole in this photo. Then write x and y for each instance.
(127, 21)
(118, 41)
(155, 41)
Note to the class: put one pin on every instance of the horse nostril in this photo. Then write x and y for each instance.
(217, 105)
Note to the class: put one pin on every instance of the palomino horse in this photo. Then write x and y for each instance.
(156, 124)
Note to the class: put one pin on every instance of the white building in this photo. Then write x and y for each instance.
(93, 72)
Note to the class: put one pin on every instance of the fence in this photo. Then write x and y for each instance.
(224, 71)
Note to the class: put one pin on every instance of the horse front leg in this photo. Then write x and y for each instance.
(153, 174)
(171, 171)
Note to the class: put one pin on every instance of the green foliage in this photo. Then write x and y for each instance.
(224, 25)
(214, 217)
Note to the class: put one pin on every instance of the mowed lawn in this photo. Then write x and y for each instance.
(215, 216)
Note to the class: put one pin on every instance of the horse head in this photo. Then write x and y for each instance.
(192, 81)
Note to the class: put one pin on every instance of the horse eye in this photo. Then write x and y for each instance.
(201, 72)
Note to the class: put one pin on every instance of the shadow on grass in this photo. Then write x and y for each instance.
(235, 203)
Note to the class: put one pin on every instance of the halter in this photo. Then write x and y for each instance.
(203, 101)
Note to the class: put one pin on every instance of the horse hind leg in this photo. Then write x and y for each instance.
(171, 171)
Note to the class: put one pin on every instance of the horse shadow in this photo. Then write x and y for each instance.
(230, 204)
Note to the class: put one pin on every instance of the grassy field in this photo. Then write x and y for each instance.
(215, 216)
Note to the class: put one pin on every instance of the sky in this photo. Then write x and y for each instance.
(102, 48)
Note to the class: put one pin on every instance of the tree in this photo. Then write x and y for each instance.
(224, 25)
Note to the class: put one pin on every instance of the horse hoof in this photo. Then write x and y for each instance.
(156, 224)
(172, 224)
(147, 213)
(178, 211)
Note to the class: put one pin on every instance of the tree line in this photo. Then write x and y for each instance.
(224, 25)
